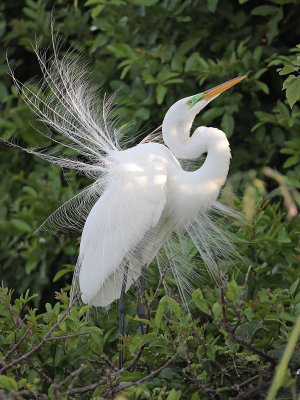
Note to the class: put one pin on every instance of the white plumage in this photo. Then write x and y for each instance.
(141, 198)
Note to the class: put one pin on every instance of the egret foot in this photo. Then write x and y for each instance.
(121, 309)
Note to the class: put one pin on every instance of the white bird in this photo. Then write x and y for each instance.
(148, 196)
(140, 195)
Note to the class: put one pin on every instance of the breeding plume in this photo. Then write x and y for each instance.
(141, 199)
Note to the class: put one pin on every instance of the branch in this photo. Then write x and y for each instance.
(43, 341)
(239, 310)
(153, 373)
(220, 366)
(88, 388)
(16, 345)
(225, 323)
(234, 337)
(251, 394)
(193, 376)
(69, 336)
(110, 363)
(40, 372)
(18, 318)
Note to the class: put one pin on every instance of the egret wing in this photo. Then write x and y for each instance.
(129, 208)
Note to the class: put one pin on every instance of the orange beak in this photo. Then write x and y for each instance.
(212, 93)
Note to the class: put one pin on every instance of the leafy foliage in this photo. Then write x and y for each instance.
(227, 344)
(154, 53)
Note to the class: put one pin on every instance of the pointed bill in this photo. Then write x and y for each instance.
(214, 92)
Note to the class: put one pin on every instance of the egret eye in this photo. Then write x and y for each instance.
(189, 102)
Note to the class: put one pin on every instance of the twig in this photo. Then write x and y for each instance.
(231, 330)
(89, 388)
(245, 286)
(135, 360)
(43, 341)
(110, 363)
(16, 345)
(193, 376)
(69, 336)
(71, 375)
(259, 389)
(75, 375)
(18, 318)
(40, 372)
(239, 310)
(221, 367)
(236, 338)
(149, 376)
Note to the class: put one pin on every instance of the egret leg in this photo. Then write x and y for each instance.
(121, 309)
(140, 308)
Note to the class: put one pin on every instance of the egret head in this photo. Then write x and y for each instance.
(189, 107)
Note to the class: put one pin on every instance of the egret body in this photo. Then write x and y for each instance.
(140, 196)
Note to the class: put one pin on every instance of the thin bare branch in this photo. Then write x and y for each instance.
(149, 376)
(15, 346)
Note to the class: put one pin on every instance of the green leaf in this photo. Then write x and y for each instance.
(21, 225)
(96, 11)
(283, 236)
(287, 69)
(289, 317)
(8, 383)
(30, 266)
(292, 86)
(160, 311)
(291, 161)
(212, 5)
(212, 113)
(161, 91)
(124, 71)
(264, 10)
(293, 287)
(121, 50)
(60, 273)
(200, 302)
(227, 124)
(188, 45)
(166, 373)
(139, 341)
(30, 13)
(93, 2)
(146, 3)
(262, 86)
(202, 376)
(3, 91)
(175, 307)
(174, 395)
(143, 113)
(217, 310)
(247, 330)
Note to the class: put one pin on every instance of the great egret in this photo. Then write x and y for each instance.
(140, 195)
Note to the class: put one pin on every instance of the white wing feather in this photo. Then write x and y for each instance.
(130, 206)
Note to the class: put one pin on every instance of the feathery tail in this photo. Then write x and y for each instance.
(68, 104)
